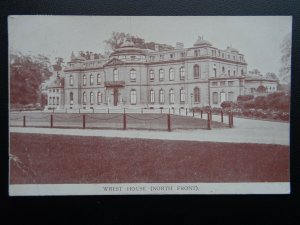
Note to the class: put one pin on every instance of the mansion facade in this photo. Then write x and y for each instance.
(198, 76)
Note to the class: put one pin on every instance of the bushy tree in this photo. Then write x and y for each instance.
(26, 75)
(285, 70)
(226, 104)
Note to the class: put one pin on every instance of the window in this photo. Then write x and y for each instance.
(182, 95)
(233, 57)
(98, 78)
(222, 83)
(196, 94)
(171, 96)
(222, 55)
(99, 98)
(84, 80)
(215, 97)
(152, 58)
(71, 81)
(91, 79)
(132, 58)
(230, 83)
(197, 52)
(57, 100)
(182, 54)
(152, 96)
(223, 69)
(161, 96)
(50, 100)
(132, 75)
(230, 96)
(161, 74)
(151, 75)
(215, 70)
(214, 84)
(116, 75)
(84, 98)
(228, 72)
(171, 74)
(171, 56)
(91, 98)
(242, 72)
(71, 98)
(234, 73)
(182, 75)
(161, 57)
(196, 71)
(252, 90)
(133, 97)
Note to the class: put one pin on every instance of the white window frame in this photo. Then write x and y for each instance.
(182, 95)
(161, 96)
(152, 96)
(92, 98)
(182, 73)
(84, 98)
(151, 75)
(161, 74)
(115, 75)
(171, 74)
(133, 97)
(171, 96)
(84, 80)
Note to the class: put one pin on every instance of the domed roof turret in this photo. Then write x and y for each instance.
(128, 47)
(231, 49)
(127, 43)
(202, 42)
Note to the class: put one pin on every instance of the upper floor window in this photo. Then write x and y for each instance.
(230, 83)
(182, 95)
(152, 97)
(234, 73)
(171, 56)
(171, 96)
(57, 100)
(197, 52)
(84, 80)
(161, 57)
(161, 74)
(132, 57)
(181, 71)
(98, 78)
(133, 75)
(242, 72)
(151, 75)
(222, 55)
(161, 96)
(228, 72)
(222, 83)
(196, 71)
(182, 54)
(133, 97)
(115, 75)
(215, 98)
(172, 74)
(215, 70)
(91, 98)
(196, 94)
(214, 84)
(223, 69)
(71, 80)
(152, 58)
(71, 98)
(91, 79)
(84, 98)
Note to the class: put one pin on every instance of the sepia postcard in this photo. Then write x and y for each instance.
(130, 105)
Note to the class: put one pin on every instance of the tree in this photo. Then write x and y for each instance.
(271, 76)
(285, 70)
(26, 76)
(261, 89)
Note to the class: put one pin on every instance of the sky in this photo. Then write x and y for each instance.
(257, 37)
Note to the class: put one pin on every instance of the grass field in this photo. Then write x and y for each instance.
(42, 159)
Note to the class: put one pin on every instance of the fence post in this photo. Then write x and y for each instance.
(186, 111)
(124, 121)
(160, 110)
(173, 110)
(24, 121)
(142, 110)
(208, 120)
(124, 110)
(229, 119)
(201, 112)
(51, 121)
(179, 110)
(169, 122)
(108, 110)
(222, 116)
(169, 110)
(193, 112)
(83, 121)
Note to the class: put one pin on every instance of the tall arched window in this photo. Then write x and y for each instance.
(242, 72)
(84, 98)
(98, 78)
(151, 75)
(196, 94)
(91, 79)
(57, 100)
(116, 75)
(171, 96)
(223, 69)
(196, 71)
(91, 98)
(228, 72)
(171, 74)
(71, 98)
(152, 96)
(132, 75)
(84, 80)
(161, 74)
(99, 97)
(71, 80)
(182, 95)
(133, 97)
(161, 96)
(181, 72)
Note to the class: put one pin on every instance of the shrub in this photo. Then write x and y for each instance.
(261, 89)
(226, 104)
(249, 104)
(261, 102)
(243, 98)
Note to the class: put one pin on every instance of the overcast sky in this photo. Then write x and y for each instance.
(258, 38)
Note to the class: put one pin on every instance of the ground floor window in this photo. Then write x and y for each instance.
(161, 96)
(196, 94)
(91, 98)
(99, 98)
(182, 95)
(171, 96)
(215, 97)
(152, 96)
(133, 97)
(71, 98)
(84, 98)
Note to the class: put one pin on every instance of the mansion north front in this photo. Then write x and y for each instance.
(198, 76)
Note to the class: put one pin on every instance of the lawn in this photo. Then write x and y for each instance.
(42, 159)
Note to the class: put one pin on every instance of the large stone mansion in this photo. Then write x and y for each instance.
(198, 76)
